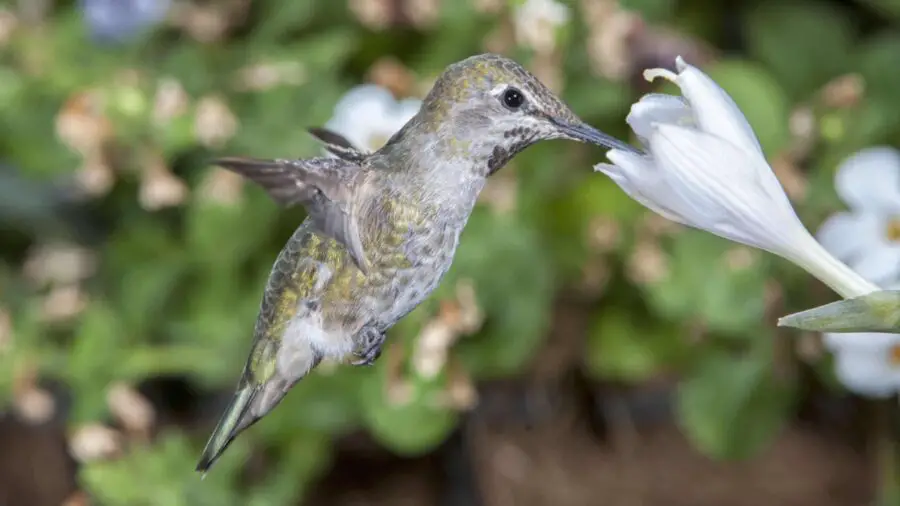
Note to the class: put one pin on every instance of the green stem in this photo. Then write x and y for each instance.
(831, 271)
(887, 450)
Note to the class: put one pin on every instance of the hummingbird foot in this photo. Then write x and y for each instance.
(370, 347)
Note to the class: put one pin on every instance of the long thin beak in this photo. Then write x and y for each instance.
(586, 133)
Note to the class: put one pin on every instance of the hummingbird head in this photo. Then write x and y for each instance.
(490, 108)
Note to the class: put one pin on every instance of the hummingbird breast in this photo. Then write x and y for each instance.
(409, 246)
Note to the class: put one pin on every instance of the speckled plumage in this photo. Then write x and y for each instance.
(409, 203)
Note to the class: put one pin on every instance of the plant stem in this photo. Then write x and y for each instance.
(831, 271)
(887, 451)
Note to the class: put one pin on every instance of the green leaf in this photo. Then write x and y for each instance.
(223, 236)
(803, 42)
(514, 287)
(163, 475)
(759, 96)
(304, 457)
(145, 290)
(412, 426)
(96, 349)
(874, 312)
(886, 8)
(875, 60)
(595, 97)
(652, 11)
(701, 284)
(629, 347)
(731, 407)
(324, 401)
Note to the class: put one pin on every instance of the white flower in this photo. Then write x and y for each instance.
(706, 169)
(866, 363)
(867, 237)
(368, 115)
(536, 23)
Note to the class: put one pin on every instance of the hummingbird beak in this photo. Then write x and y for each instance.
(582, 132)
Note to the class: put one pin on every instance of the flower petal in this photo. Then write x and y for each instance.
(399, 115)
(716, 187)
(846, 235)
(407, 108)
(358, 111)
(862, 362)
(658, 108)
(870, 180)
(714, 109)
(865, 374)
(632, 172)
(880, 265)
(860, 341)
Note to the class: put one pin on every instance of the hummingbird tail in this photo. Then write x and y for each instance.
(236, 418)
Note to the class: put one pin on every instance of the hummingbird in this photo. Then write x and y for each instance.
(382, 227)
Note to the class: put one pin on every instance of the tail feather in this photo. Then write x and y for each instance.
(236, 418)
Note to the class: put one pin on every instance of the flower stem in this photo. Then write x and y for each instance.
(887, 451)
(831, 271)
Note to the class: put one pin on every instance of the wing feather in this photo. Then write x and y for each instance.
(326, 187)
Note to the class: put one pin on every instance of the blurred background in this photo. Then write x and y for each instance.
(581, 351)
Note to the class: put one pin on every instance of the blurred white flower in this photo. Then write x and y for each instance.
(214, 123)
(171, 100)
(94, 442)
(63, 303)
(59, 263)
(459, 316)
(368, 115)
(866, 363)
(706, 169)
(161, 190)
(867, 237)
(536, 23)
(130, 408)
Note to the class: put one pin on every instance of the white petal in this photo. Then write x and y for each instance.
(408, 108)
(870, 179)
(658, 108)
(880, 265)
(846, 235)
(863, 362)
(400, 114)
(860, 341)
(723, 191)
(364, 95)
(361, 108)
(714, 109)
(865, 374)
(633, 172)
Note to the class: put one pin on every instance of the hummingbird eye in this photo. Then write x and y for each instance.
(513, 98)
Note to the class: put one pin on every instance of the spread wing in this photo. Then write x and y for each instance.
(338, 145)
(326, 187)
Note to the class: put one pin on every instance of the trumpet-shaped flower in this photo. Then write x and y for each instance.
(704, 168)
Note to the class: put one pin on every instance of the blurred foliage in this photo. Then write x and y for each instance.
(176, 287)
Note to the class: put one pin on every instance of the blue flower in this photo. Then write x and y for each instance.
(115, 21)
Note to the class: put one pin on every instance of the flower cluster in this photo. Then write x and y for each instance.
(867, 237)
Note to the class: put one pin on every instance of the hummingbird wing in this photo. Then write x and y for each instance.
(325, 187)
(338, 145)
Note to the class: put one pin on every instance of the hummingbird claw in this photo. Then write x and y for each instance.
(370, 349)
